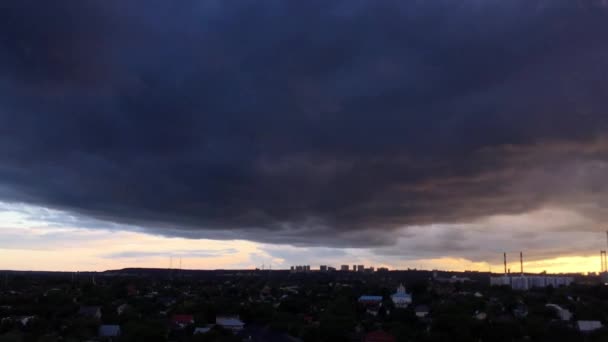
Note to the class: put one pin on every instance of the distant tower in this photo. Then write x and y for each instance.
(505, 261)
(521, 262)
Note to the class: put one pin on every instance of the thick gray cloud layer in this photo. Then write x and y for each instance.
(312, 123)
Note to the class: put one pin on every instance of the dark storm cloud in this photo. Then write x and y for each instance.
(317, 122)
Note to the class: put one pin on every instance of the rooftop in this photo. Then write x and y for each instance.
(228, 321)
(109, 330)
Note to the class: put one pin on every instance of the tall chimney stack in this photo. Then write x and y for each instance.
(505, 258)
(521, 262)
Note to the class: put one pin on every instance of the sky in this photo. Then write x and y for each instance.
(406, 134)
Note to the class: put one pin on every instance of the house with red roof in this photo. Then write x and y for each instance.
(182, 321)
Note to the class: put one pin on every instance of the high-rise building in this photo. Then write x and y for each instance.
(344, 268)
(360, 268)
(301, 268)
(323, 268)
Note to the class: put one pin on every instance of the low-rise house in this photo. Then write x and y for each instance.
(588, 326)
(109, 331)
(181, 321)
(370, 300)
(202, 330)
(230, 323)
(421, 311)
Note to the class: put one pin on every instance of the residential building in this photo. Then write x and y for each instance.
(370, 300)
(588, 326)
(523, 283)
(500, 281)
(109, 332)
(421, 311)
(202, 330)
(181, 321)
(230, 323)
(519, 283)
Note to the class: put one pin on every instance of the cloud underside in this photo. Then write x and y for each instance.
(319, 123)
